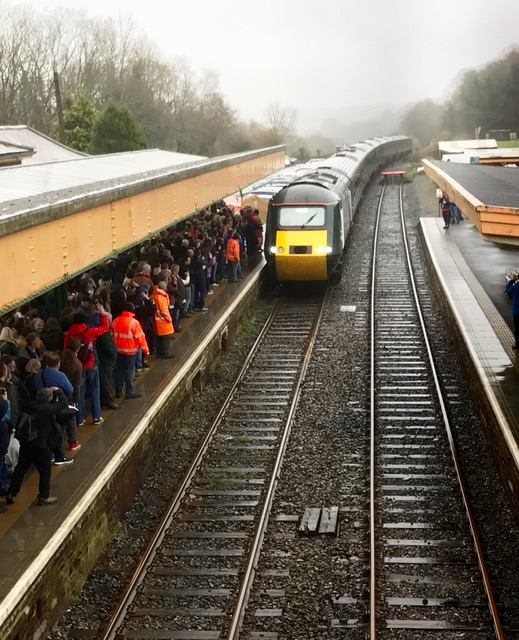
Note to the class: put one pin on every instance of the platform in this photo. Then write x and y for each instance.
(58, 539)
(469, 274)
(488, 196)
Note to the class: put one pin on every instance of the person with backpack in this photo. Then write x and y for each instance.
(36, 431)
(51, 376)
(87, 356)
(107, 358)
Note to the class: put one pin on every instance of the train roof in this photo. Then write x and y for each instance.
(305, 191)
(348, 160)
(333, 174)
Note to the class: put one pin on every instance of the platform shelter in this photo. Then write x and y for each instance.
(59, 219)
(487, 195)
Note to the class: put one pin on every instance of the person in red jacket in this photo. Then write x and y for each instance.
(87, 356)
(128, 337)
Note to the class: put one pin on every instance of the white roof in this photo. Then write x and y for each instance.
(458, 146)
(46, 149)
(7, 149)
(85, 176)
(465, 157)
(460, 158)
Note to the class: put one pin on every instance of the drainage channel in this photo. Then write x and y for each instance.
(195, 576)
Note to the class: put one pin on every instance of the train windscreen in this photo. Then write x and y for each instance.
(301, 217)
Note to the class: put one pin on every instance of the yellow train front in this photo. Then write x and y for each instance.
(308, 221)
(305, 232)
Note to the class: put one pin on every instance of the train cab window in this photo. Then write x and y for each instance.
(302, 217)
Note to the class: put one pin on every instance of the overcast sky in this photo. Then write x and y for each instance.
(322, 54)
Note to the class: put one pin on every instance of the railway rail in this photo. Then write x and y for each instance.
(427, 570)
(194, 578)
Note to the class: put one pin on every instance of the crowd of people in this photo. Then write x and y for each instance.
(55, 368)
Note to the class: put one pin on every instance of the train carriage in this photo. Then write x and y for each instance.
(308, 221)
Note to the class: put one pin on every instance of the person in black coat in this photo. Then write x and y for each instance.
(144, 312)
(107, 357)
(5, 435)
(51, 404)
(53, 336)
(29, 352)
(198, 275)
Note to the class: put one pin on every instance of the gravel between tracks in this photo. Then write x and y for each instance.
(103, 587)
(324, 467)
(327, 454)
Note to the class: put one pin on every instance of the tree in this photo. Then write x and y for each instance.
(79, 121)
(486, 98)
(116, 130)
(281, 121)
(423, 121)
(302, 154)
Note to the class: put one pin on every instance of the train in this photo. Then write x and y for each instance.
(308, 221)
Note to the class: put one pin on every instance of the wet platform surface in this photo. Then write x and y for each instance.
(488, 262)
(471, 272)
(492, 186)
(29, 534)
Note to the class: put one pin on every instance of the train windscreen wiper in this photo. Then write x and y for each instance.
(309, 220)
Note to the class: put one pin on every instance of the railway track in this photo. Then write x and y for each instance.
(426, 578)
(194, 578)
(427, 570)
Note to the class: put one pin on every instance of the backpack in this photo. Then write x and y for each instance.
(85, 353)
(25, 430)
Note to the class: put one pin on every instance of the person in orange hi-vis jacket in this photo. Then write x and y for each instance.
(162, 322)
(232, 255)
(128, 337)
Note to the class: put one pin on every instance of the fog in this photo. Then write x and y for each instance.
(334, 59)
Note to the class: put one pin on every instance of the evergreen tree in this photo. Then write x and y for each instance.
(79, 121)
(116, 130)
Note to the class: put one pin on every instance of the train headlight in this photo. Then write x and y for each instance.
(277, 250)
(281, 250)
(328, 249)
(320, 249)
(273, 249)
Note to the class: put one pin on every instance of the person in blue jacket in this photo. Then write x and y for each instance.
(51, 376)
(512, 288)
